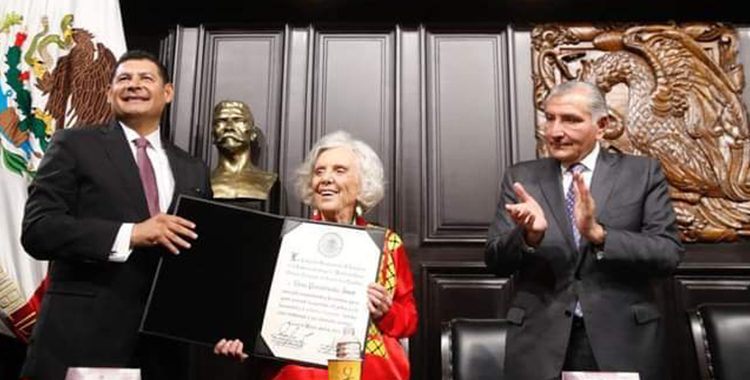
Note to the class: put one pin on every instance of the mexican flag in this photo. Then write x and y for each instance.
(54, 55)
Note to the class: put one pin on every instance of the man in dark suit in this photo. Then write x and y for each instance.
(584, 262)
(96, 210)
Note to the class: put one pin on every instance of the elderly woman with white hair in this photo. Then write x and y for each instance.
(341, 180)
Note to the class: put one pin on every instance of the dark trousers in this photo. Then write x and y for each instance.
(579, 356)
(162, 359)
(12, 354)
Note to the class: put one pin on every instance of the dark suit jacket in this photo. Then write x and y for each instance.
(88, 185)
(614, 282)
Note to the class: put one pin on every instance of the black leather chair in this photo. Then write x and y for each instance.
(721, 334)
(473, 349)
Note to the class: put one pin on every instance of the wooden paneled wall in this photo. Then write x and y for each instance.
(447, 110)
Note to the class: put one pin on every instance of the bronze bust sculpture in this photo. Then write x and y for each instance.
(235, 176)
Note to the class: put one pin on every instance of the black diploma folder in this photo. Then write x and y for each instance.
(219, 287)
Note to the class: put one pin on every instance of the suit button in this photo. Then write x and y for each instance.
(568, 313)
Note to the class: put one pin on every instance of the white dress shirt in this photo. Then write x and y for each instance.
(589, 164)
(121, 248)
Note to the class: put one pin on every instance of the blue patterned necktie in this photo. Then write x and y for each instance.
(570, 202)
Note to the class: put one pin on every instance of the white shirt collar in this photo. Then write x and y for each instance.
(154, 138)
(589, 162)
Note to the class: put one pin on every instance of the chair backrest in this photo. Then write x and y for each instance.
(721, 334)
(473, 349)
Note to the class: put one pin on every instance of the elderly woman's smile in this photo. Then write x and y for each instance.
(336, 184)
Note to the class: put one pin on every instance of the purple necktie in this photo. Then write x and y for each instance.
(570, 202)
(148, 177)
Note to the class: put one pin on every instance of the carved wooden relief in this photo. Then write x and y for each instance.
(675, 93)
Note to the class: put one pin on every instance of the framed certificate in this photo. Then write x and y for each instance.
(286, 287)
(319, 288)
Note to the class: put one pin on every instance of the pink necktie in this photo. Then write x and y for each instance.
(148, 177)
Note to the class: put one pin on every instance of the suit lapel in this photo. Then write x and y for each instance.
(179, 171)
(121, 157)
(550, 183)
(605, 176)
(602, 184)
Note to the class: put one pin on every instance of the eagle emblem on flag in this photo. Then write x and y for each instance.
(74, 86)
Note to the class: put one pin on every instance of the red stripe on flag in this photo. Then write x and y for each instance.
(24, 319)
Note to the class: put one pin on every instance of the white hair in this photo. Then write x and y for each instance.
(597, 104)
(370, 167)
